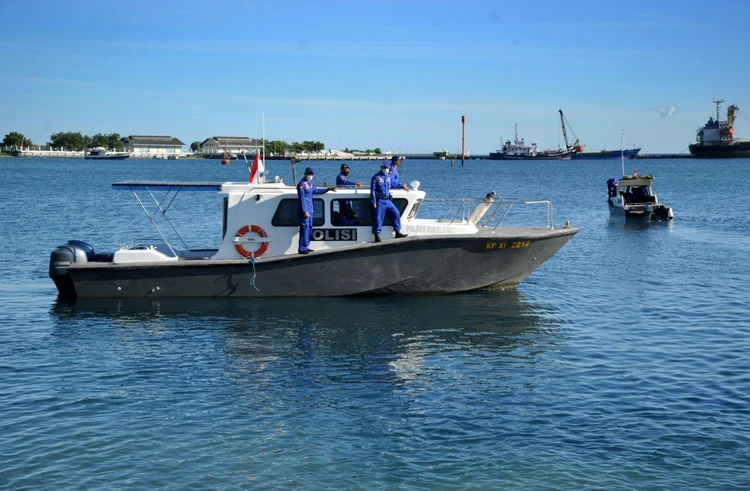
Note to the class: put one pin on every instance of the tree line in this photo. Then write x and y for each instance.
(68, 140)
(280, 147)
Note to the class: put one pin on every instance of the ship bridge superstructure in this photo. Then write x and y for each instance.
(715, 131)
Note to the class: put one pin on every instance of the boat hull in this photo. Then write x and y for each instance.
(416, 265)
(502, 156)
(608, 155)
(658, 213)
(736, 150)
(106, 157)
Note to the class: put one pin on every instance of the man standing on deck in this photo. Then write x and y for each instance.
(346, 215)
(343, 180)
(305, 191)
(395, 164)
(381, 204)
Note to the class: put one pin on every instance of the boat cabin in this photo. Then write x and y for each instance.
(631, 189)
(262, 219)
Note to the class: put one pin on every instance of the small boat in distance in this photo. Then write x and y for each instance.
(518, 150)
(715, 140)
(632, 198)
(100, 153)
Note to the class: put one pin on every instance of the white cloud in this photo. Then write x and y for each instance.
(667, 111)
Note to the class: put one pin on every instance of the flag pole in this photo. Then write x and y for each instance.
(264, 139)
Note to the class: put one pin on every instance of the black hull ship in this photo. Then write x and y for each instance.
(715, 140)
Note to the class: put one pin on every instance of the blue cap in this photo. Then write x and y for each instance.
(344, 166)
(309, 171)
(395, 158)
(385, 165)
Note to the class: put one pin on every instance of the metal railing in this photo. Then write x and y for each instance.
(461, 210)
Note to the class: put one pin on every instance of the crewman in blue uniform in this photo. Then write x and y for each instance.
(305, 191)
(343, 178)
(395, 164)
(381, 204)
(346, 215)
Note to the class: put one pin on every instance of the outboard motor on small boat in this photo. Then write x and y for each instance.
(662, 212)
(482, 208)
(73, 251)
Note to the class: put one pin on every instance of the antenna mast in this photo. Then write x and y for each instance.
(622, 153)
(718, 108)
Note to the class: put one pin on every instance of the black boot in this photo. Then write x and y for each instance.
(399, 235)
(377, 238)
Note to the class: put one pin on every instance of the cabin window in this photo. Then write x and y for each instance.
(414, 209)
(287, 214)
(225, 207)
(358, 212)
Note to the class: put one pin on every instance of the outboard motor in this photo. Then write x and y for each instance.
(482, 208)
(74, 251)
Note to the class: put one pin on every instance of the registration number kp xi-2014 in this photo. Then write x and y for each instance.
(516, 244)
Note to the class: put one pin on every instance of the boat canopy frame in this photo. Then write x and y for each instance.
(460, 209)
(171, 189)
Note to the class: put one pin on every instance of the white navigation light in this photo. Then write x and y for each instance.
(414, 185)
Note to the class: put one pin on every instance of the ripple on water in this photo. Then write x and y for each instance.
(621, 363)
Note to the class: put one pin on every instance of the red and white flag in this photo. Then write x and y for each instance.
(256, 169)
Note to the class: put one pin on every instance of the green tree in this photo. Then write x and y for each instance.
(16, 139)
(195, 146)
(114, 141)
(378, 151)
(99, 140)
(277, 147)
(70, 140)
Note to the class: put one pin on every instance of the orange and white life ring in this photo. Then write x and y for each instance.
(263, 240)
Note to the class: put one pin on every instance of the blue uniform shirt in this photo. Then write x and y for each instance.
(393, 175)
(305, 191)
(380, 187)
(342, 180)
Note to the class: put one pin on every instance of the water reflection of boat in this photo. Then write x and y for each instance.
(504, 317)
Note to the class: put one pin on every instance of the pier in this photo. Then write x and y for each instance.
(48, 153)
(664, 156)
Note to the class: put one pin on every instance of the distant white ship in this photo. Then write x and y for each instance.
(104, 154)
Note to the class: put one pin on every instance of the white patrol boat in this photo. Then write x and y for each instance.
(633, 198)
(467, 248)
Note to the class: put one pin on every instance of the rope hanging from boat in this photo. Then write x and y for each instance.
(252, 280)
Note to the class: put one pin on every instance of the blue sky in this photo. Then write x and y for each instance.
(392, 74)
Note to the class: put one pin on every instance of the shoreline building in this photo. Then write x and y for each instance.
(143, 146)
(235, 146)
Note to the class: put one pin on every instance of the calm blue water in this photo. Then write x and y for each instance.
(622, 363)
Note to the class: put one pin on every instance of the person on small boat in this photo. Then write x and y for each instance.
(305, 191)
(380, 201)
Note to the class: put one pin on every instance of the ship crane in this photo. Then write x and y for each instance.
(563, 121)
